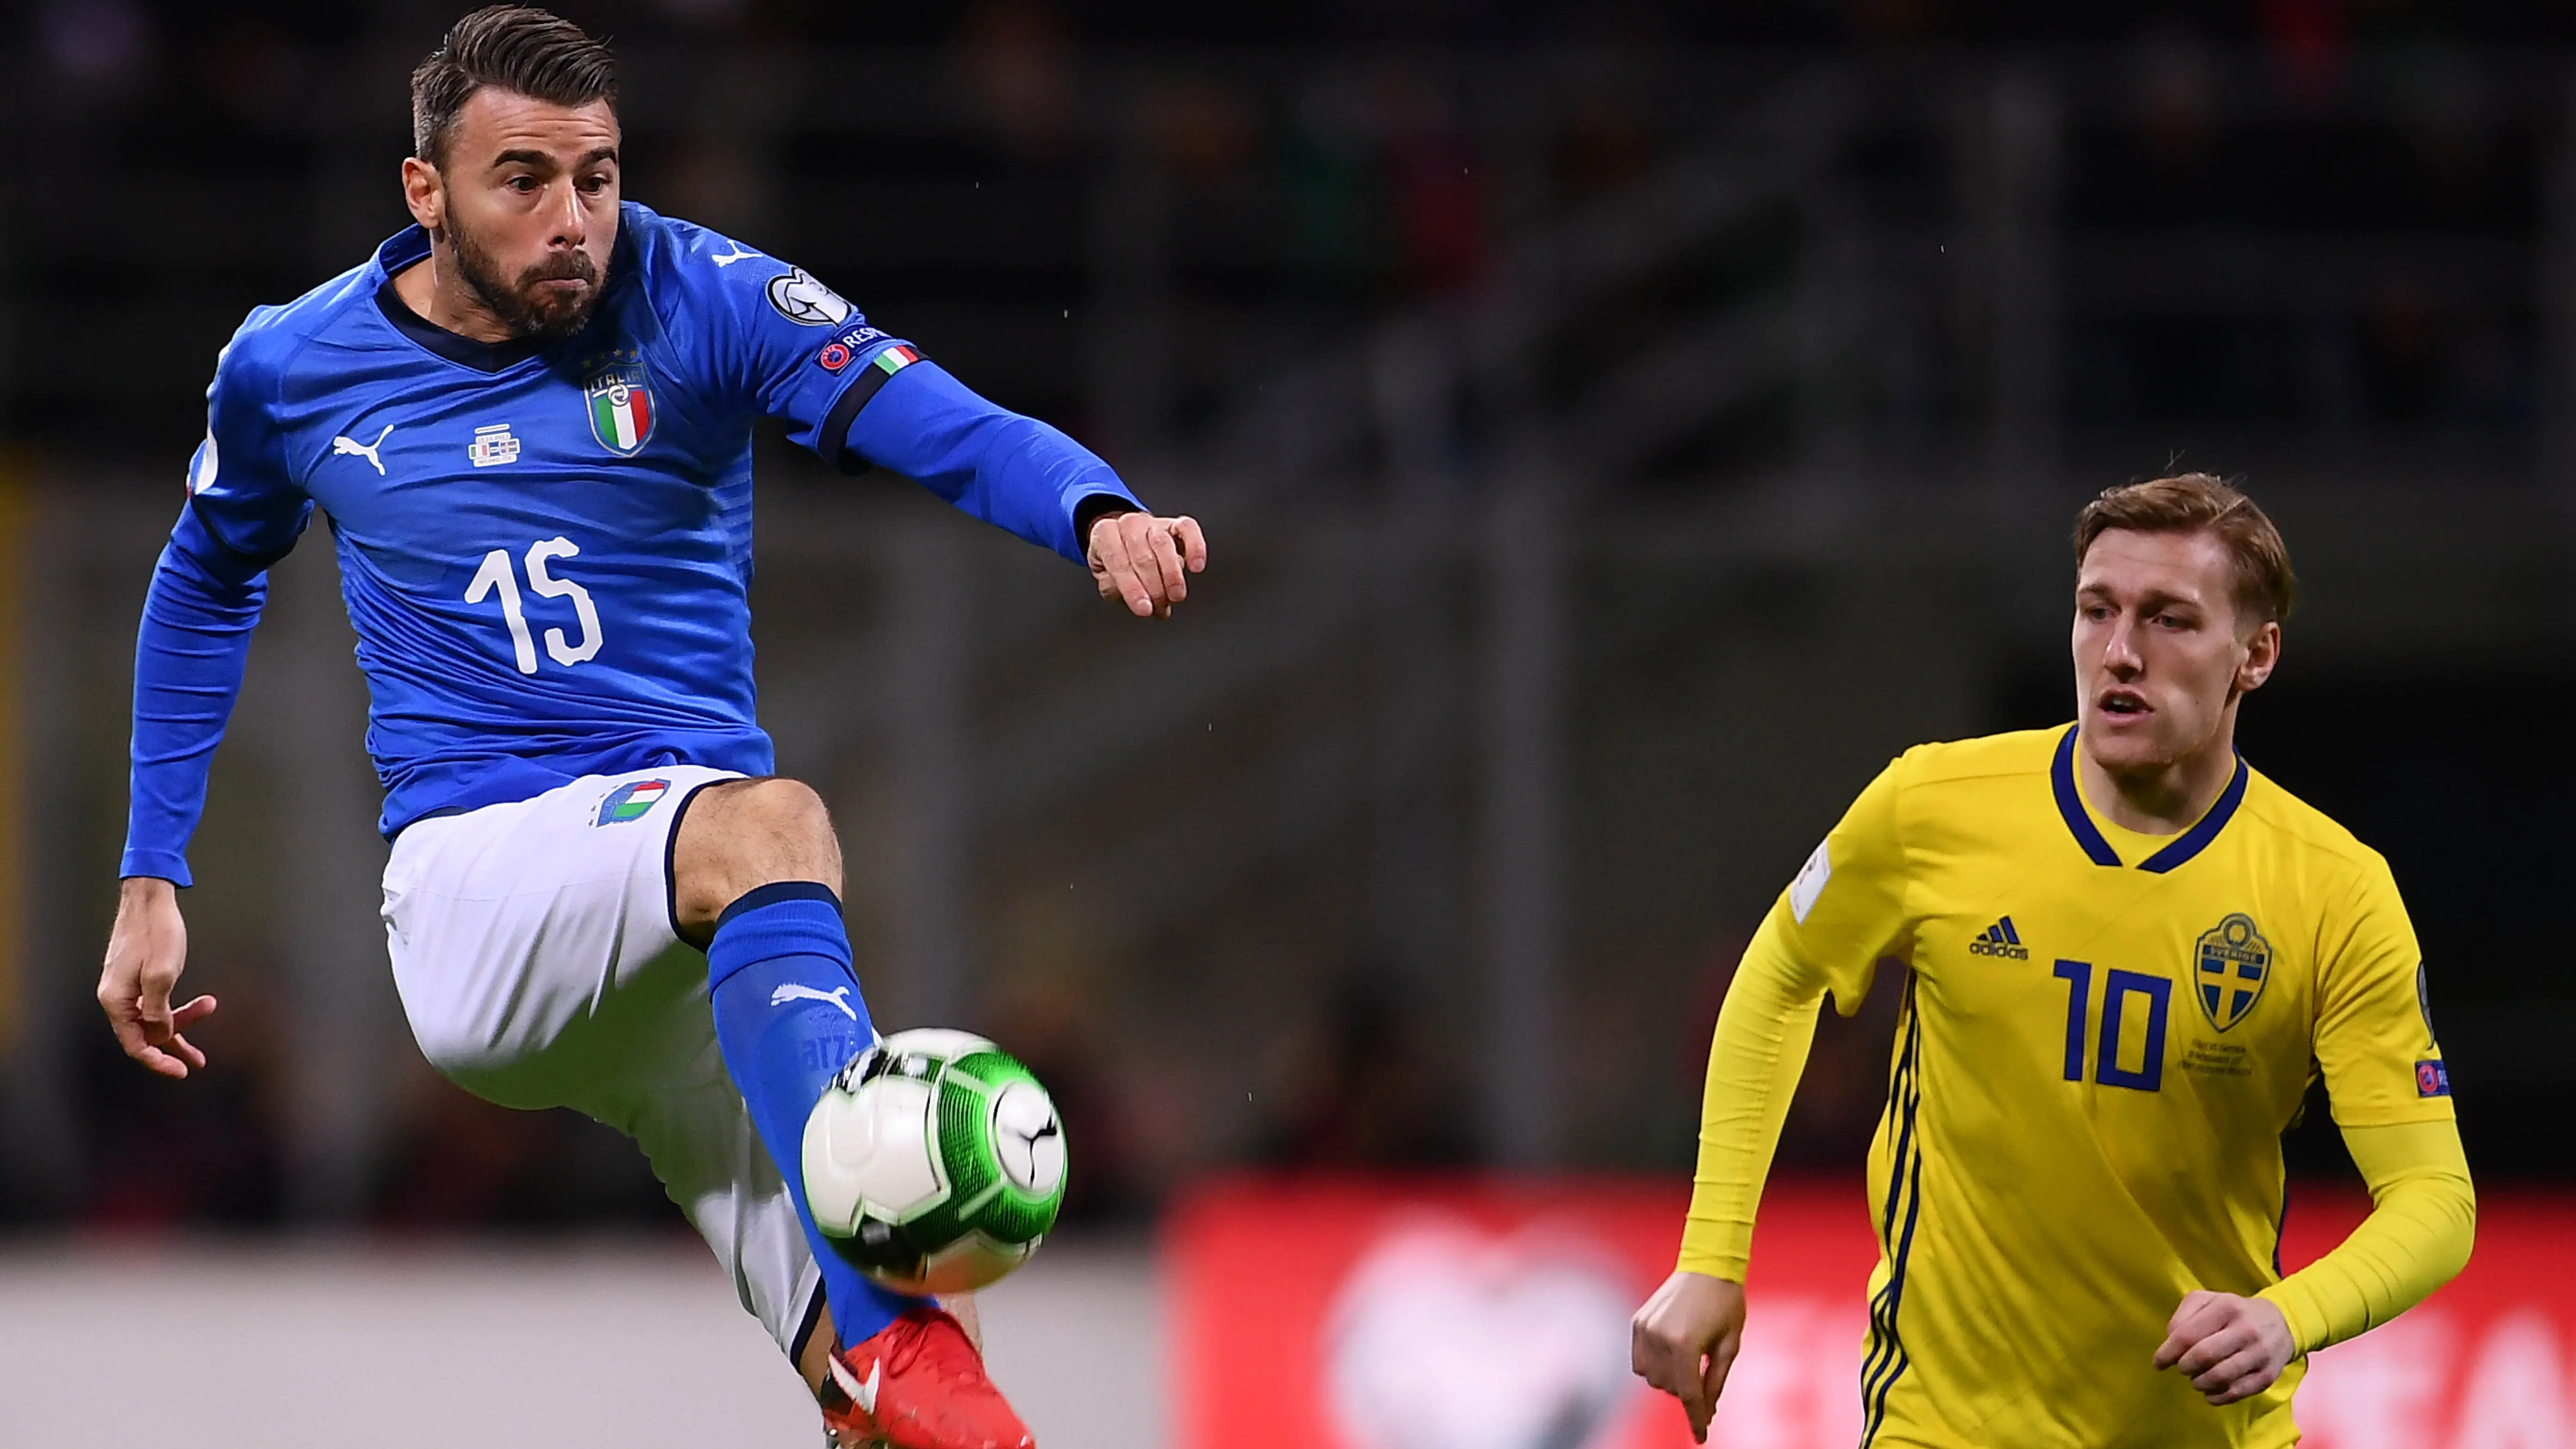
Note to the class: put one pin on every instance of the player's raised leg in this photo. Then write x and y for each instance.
(755, 876)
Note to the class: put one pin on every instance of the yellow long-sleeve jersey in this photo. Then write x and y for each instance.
(2103, 1036)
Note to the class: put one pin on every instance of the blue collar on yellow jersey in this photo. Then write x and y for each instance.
(2070, 804)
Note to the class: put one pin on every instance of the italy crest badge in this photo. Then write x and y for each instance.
(621, 403)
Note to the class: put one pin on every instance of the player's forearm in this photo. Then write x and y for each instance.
(1754, 1062)
(188, 660)
(1011, 471)
(2422, 1223)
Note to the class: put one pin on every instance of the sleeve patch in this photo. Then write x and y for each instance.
(854, 339)
(2432, 1079)
(806, 302)
(1811, 881)
(201, 468)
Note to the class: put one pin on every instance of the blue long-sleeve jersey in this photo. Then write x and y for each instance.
(545, 550)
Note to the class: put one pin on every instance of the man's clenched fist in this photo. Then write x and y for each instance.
(2229, 1347)
(1686, 1338)
(1145, 562)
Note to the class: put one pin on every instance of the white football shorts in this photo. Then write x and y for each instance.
(537, 959)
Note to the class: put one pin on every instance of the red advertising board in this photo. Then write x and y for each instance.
(1484, 1315)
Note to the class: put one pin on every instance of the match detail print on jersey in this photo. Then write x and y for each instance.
(493, 445)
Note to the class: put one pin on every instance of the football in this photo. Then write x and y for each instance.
(935, 1162)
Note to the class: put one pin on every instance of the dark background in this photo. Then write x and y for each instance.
(1621, 427)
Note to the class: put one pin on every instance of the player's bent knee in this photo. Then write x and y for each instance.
(789, 806)
(743, 834)
(776, 824)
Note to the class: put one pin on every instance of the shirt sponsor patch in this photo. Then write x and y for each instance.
(1811, 881)
(2432, 1079)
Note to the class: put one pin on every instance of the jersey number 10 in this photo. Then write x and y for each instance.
(497, 575)
(2122, 992)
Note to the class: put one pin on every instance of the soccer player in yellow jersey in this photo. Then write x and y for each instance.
(2127, 955)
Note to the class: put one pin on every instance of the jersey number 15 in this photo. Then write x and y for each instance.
(498, 576)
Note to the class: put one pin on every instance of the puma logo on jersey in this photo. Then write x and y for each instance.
(356, 449)
(862, 1394)
(838, 996)
(2000, 939)
(736, 255)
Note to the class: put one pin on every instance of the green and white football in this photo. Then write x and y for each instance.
(934, 1162)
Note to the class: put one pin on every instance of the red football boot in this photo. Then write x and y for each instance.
(918, 1384)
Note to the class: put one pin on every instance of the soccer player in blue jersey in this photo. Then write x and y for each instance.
(529, 418)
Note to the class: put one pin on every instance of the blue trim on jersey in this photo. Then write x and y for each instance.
(456, 347)
(2195, 840)
(2281, 1219)
(2070, 804)
(2079, 823)
(1887, 1359)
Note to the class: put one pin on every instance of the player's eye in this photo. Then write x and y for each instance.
(524, 185)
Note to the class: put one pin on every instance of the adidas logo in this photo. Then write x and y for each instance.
(2000, 939)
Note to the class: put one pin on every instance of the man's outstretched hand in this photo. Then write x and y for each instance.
(1686, 1338)
(1145, 562)
(145, 953)
(2229, 1347)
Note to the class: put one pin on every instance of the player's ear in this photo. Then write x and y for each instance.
(2262, 656)
(424, 193)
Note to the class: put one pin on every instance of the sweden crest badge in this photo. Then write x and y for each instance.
(620, 403)
(2233, 962)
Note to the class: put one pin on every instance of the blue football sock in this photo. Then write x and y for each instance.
(788, 1015)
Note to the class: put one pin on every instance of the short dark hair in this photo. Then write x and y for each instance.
(2265, 589)
(517, 48)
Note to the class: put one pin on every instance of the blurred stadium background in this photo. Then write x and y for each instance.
(1620, 427)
